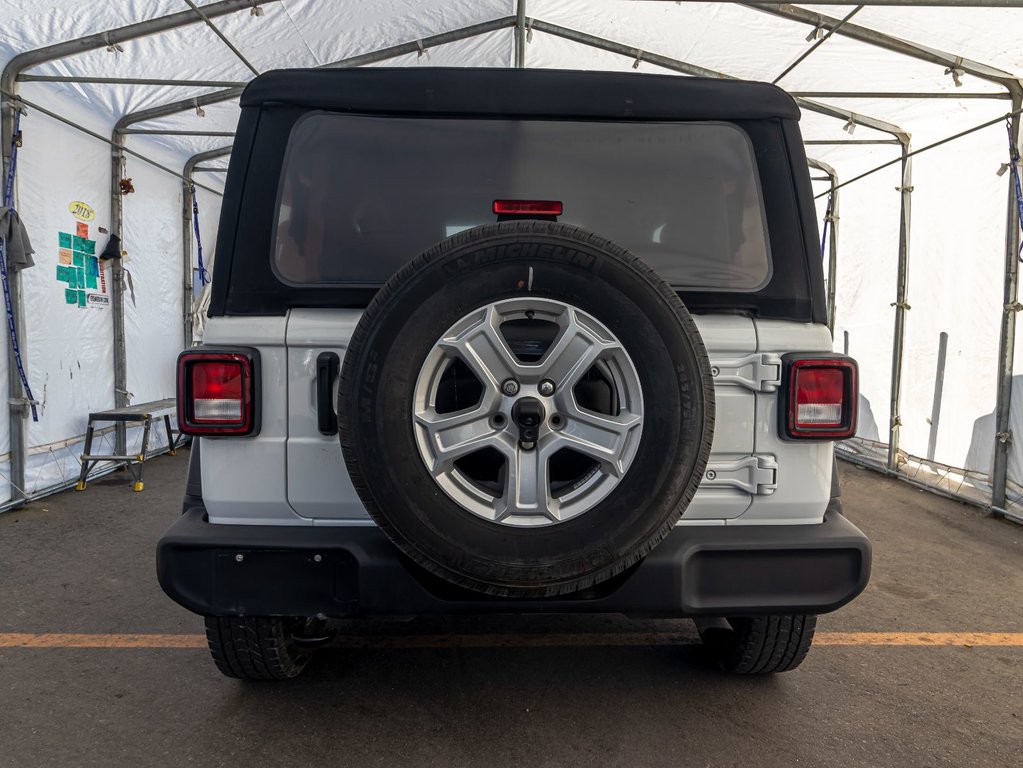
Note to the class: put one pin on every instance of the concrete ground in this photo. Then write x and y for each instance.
(542, 691)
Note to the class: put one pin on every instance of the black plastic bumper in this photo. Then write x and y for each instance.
(244, 570)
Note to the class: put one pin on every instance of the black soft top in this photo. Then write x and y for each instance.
(521, 93)
(245, 282)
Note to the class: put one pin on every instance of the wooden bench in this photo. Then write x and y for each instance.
(143, 413)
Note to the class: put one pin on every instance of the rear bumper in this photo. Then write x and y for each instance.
(244, 570)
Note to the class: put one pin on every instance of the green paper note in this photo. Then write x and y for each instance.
(78, 259)
(83, 244)
(65, 239)
(81, 277)
(92, 266)
(62, 271)
(90, 281)
(70, 297)
(72, 278)
(81, 298)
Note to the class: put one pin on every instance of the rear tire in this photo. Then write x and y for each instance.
(255, 648)
(760, 645)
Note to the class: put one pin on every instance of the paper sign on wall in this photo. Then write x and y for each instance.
(78, 267)
(82, 211)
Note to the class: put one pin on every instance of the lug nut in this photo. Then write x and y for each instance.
(510, 387)
(546, 388)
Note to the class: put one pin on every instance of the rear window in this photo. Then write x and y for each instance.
(360, 196)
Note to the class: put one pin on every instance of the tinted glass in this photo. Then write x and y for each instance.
(360, 196)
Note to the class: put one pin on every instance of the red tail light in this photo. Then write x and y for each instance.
(216, 392)
(821, 398)
(528, 207)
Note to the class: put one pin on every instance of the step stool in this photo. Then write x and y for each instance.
(143, 414)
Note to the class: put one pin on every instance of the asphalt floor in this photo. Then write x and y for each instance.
(924, 669)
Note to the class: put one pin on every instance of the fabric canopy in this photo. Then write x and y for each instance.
(872, 86)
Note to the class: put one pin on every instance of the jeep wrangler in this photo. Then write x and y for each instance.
(514, 341)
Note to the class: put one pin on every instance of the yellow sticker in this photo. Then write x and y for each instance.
(82, 211)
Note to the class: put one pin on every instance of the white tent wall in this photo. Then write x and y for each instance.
(68, 350)
(154, 313)
(865, 287)
(955, 280)
(956, 251)
(955, 288)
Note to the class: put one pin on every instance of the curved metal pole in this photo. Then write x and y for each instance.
(520, 34)
(117, 292)
(888, 42)
(901, 305)
(186, 233)
(1003, 434)
(832, 219)
(1007, 336)
(677, 65)
(373, 57)
(33, 58)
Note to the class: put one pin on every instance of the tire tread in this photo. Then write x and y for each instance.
(762, 645)
(253, 648)
(388, 292)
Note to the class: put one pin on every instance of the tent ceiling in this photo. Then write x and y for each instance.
(740, 40)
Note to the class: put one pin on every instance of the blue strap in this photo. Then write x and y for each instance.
(204, 276)
(827, 219)
(1014, 166)
(11, 327)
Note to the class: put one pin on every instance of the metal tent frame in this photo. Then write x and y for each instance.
(522, 27)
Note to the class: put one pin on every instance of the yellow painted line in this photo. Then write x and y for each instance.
(61, 640)
(960, 639)
(163, 641)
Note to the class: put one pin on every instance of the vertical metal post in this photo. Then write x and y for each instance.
(18, 405)
(186, 263)
(117, 287)
(901, 307)
(520, 34)
(833, 255)
(1007, 337)
(939, 386)
(831, 228)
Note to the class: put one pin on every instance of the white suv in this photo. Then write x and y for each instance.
(514, 341)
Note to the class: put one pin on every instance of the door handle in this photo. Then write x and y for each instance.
(327, 366)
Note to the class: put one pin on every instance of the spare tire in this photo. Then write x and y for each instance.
(526, 409)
